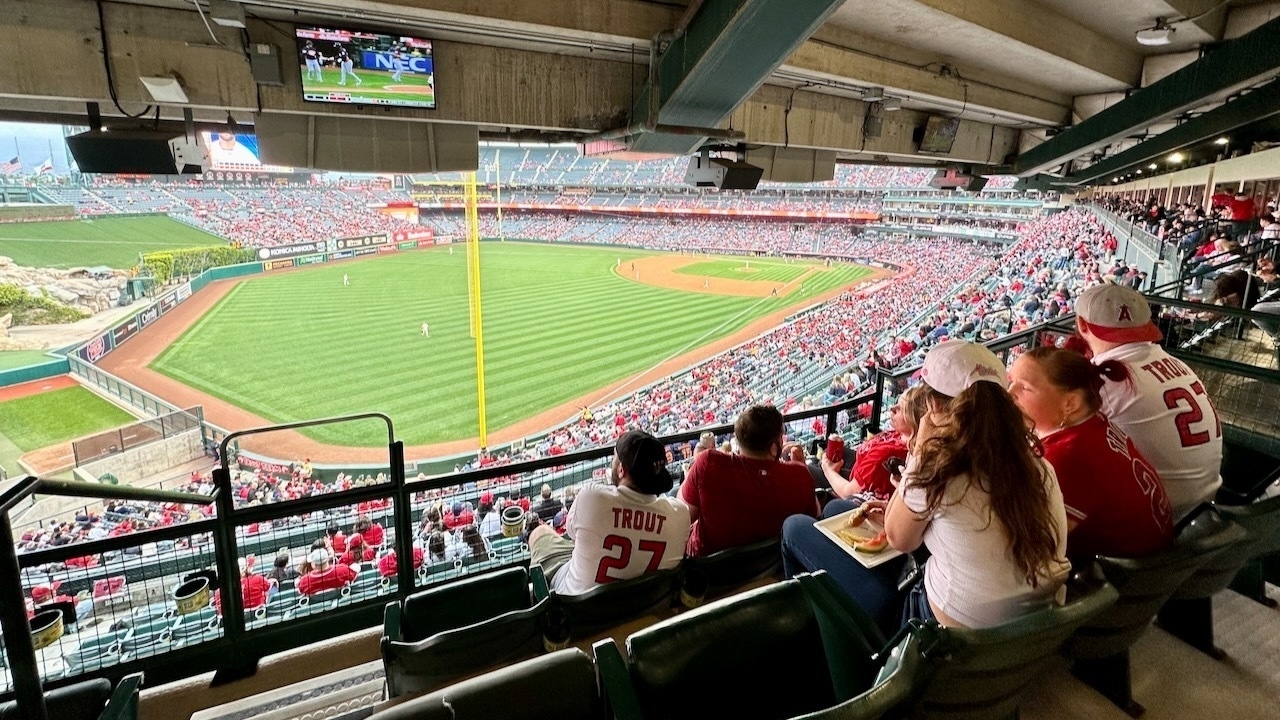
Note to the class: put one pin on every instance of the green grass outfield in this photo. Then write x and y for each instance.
(749, 269)
(38, 421)
(114, 242)
(559, 324)
(10, 359)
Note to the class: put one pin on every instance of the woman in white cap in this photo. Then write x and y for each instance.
(974, 492)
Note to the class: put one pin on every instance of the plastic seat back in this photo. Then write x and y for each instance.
(448, 656)
(559, 686)
(463, 602)
(81, 701)
(983, 673)
(1261, 523)
(607, 605)
(728, 569)
(706, 663)
(1146, 583)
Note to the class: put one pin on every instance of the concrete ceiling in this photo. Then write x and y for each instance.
(1011, 64)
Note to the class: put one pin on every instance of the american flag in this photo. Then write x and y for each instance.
(11, 167)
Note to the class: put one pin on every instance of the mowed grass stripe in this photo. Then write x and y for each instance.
(114, 242)
(559, 324)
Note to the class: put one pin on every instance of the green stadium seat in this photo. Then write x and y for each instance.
(89, 700)
(1188, 614)
(452, 631)
(1100, 648)
(149, 637)
(558, 686)
(785, 650)
(714, 574)
(574, 616)
(984, 673)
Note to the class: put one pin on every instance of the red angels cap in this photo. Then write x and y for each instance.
(954, 365)
(1116, 313)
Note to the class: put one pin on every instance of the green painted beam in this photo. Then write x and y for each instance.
(1235, 66)
(725, 55)
(1257, 105)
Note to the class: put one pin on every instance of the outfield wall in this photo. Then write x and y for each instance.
(38, 371)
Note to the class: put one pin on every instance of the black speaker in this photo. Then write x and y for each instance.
(976, 184)
(740, 176)
(125, 152)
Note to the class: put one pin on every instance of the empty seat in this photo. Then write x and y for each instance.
(89, 700)
(148, 637)
(575, 616)
(712, 575)
(1189, 612)
(95, 651)
(984, 673)
(559, 686)
(780, 651)
(1100, 648)
(452, 631)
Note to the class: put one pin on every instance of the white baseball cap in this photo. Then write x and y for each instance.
(319, 556)
(1116, 313)
(954, 365)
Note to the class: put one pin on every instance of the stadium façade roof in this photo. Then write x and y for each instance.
(1041, 87)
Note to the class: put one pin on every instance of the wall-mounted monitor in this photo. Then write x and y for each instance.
(352, 67)
(939, 134)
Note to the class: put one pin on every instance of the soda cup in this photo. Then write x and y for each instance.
(835, 449)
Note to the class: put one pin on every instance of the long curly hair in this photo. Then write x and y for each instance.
(987, 439)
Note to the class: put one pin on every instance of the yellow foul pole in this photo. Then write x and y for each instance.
(497, 166)
(473, 286)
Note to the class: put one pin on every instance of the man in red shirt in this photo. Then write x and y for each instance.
(372, 531)
(737, 500)
(388, 566)
(254, 588)
(324, 574)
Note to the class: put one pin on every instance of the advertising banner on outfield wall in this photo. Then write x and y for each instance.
(148, 316)
(388, 249)
(353, 243)
(125, 331)
(288, 251)
(183, 291)
(402, 235)
(407, 245)
(343, 255)
(167, 302)
(364, 251)
(277, 264)
(308, 260)
(94, 350)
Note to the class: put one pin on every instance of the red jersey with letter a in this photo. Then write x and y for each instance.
(1110, 490)
(741, 500)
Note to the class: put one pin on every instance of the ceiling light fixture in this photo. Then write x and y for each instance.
(1221, 141)
(1152, 166)
(1176, 157)
(1139, 171)
(1158, 34)
(891, 104)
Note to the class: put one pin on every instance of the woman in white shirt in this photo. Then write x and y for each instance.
(976, 494)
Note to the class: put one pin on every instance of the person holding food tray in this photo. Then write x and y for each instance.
(974, 491)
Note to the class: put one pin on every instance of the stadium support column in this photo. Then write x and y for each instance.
(477, 317)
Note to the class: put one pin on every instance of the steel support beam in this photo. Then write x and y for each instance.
(1257, 105)
(725, 55)
(1244, 62)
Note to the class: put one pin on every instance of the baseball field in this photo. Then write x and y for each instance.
(561, 323)
(114, 242)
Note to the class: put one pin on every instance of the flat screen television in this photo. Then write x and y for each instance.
(939, 134)
(352, 67)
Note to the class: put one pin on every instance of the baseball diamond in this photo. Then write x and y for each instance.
(560, 325)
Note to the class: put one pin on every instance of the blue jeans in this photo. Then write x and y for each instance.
(806, 549)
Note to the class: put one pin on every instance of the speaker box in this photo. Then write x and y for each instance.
(353, 144)
(976, 184)
(128, 151)
(723, 174)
